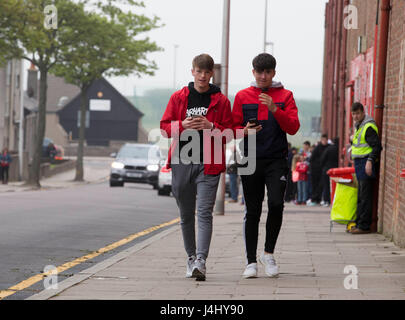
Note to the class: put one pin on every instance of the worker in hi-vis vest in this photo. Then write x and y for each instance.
(366, 148)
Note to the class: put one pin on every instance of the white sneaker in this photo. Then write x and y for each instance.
(190, 266)
(270, 266)
(250, 271)
(199, 269)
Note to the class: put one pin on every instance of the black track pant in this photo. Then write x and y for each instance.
(4, 174)
(364, 204)
(317, 185)
(273, 175)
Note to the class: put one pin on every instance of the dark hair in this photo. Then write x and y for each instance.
(203, 61)
(264, 61)
(307, 143)
(325, 135)
(357, 106)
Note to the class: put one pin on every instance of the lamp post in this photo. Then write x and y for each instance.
(21, 126)
(175, 66)
(265, 42)
(220, 199)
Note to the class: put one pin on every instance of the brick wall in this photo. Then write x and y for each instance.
(366, 26)
(391, 208)
(392, 187)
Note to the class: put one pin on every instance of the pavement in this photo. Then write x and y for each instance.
(96, 169)
(312, 262)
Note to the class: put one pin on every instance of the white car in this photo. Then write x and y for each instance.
(164, 181)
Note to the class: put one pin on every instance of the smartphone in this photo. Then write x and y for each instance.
(255, 121)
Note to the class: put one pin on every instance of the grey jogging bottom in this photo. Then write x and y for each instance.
(190, 187)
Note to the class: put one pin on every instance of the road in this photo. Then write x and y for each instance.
(52, 227)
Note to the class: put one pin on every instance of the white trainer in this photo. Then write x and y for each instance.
(270, 266)
(199, 269)
(190, 266)
(250, 271)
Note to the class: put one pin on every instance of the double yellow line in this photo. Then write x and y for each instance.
(34, 279)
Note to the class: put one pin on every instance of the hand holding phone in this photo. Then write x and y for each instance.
(252, 127)
(254, 121)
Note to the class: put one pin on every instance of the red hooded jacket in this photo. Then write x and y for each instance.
(271, 141)
(219, 113)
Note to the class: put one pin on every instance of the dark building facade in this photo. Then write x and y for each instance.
(109, 117)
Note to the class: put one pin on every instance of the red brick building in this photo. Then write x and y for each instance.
(364, 60)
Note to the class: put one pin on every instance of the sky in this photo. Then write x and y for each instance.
(296, 27)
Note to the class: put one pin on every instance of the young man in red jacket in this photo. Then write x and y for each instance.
(273, 107)
(197, 112)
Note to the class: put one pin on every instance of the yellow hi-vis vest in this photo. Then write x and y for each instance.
(360, 148)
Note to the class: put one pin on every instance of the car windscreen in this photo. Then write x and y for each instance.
(139, 152)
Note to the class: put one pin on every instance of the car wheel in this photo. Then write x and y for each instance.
(116, 184)
(162, 192)
(155, 186)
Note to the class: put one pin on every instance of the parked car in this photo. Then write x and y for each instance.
(164, 180)
(138, 163)
(51, 150)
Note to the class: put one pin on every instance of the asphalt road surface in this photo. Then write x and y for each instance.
(52, 227)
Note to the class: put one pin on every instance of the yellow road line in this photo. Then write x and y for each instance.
(34, 279)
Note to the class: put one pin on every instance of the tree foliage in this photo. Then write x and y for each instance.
(105, 44)
(92, 38)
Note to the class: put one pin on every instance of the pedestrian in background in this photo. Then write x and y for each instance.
(294, 176)
(198, 107)
(306, 148)
(289, 189)
(366, 148)
(302, 183)
(316, 170)
(270, 110)
(232, 171)
(5, 160)
(329, 160)
(51, 152)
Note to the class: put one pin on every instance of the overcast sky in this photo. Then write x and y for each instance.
(295, 26)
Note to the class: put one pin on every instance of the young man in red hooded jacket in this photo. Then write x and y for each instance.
(272, 113)
(195, 112)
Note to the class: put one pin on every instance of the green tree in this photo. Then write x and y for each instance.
(104, 44)
(24, 35)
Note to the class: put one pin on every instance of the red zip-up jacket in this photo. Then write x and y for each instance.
(219, 113)
(271, 141)
(302, 169)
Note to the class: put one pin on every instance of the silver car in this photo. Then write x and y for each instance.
(137, 163)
